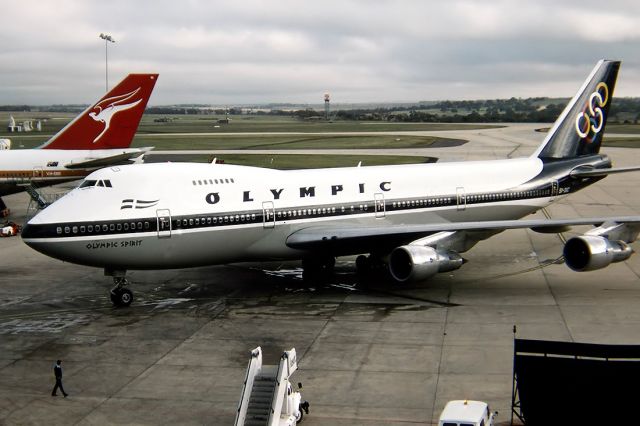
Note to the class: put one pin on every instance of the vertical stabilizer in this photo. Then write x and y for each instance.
(112, 121)
(579, 129)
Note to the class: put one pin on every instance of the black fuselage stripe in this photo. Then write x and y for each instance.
(283, 214)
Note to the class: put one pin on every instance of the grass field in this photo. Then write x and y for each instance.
(621, 142)
(623, 128)
(170, 135)
(294, 161)
(276, 142)
(241, 124)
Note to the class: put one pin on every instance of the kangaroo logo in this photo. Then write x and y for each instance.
(104, 110)
(592, 122)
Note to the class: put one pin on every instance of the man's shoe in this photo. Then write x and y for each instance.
(66, 394)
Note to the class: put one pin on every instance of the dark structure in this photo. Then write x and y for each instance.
(564, 383)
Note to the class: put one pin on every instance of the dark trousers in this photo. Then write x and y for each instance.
(58, 385)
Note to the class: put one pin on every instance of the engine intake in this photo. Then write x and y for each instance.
(590, 252)
(415, 263)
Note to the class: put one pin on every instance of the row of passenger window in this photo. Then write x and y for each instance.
(212, 181)
(214, 220)
(102, 228)
(287, 214)
(504, 196)
(280, 214)
(427, 202)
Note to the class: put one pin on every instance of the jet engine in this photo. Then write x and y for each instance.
(591, 252)
(414, 262)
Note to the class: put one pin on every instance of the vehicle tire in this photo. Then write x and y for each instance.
(125, 297)
(300, 416)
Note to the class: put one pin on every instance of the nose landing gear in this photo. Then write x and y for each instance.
(120, 295)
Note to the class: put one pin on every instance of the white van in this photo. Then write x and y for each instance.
(466, 413)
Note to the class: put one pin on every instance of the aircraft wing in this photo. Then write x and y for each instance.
(347, 239)
(112, 160)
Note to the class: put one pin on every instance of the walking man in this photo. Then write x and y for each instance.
(57, 371)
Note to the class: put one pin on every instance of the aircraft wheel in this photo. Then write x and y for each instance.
(126, 297)
(121, 297)
(317, 270)
(363, 264)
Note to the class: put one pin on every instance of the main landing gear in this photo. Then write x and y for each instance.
(372, 266)
(120, 295)
(317, 270)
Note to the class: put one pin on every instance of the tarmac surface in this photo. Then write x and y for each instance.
(373, 354)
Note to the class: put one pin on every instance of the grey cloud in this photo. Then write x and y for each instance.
(292, 51)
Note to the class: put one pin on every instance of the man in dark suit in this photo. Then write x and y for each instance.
(57, 371)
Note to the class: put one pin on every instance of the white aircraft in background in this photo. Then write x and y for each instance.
(412, 219)
(100, 136)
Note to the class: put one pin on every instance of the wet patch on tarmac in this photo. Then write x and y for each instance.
(48, 324)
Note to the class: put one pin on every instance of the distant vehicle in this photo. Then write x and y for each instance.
(466, 413)
(100, 136)
(412, 220)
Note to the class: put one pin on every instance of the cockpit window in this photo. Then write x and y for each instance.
(90, 182)
(86, 183)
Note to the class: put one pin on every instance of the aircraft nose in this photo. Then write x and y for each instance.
(32, 231)
(27, 232)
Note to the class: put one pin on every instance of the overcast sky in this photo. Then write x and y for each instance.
(250, 51)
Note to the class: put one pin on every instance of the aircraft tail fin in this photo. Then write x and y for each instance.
(579, 129)
(112, 121)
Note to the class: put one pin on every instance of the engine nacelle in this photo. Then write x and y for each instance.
(414, 263)
(591, 252)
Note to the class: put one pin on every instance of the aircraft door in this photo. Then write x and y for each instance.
(164, 223)
(379, 205)
(554, 189)
(461, 198)
(268, 215)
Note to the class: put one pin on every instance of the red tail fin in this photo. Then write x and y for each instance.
(112, 121)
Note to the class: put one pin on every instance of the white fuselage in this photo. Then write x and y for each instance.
(173, 215)
(47, 166)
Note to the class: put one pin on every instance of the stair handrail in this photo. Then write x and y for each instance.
(253, 369)
(288, 364)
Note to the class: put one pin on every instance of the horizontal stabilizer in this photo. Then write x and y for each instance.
(581, 172)
(113, 160)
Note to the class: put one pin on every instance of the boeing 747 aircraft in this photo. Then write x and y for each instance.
(414, 220)
(99, 137)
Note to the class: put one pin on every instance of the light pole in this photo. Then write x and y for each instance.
(107, 38)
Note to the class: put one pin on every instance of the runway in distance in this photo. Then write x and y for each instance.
(100, 136)
(412, 220)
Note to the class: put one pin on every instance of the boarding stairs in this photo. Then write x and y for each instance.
(36, 196)
(259, 407)
(267, 397)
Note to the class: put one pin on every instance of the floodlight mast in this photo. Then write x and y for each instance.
(107, 38)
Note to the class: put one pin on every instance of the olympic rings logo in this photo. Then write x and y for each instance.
(594, 120)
